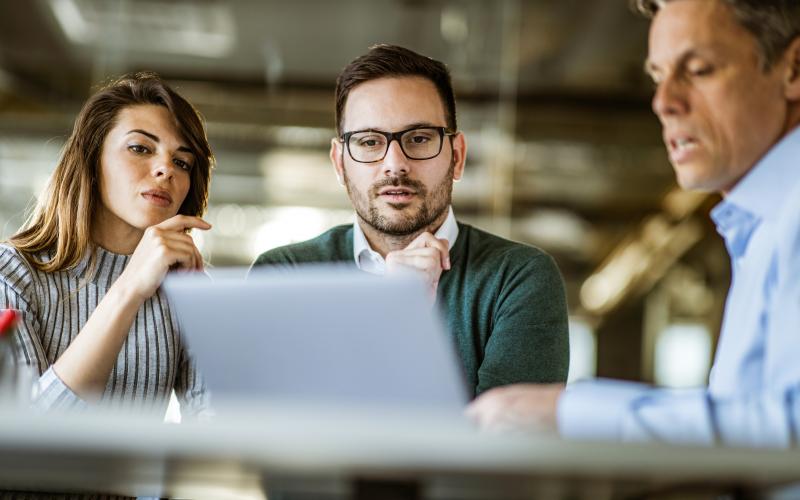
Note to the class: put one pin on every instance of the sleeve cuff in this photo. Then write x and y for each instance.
(52, 394)
(197, 407)
(595, 410)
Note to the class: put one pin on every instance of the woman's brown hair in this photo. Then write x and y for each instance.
(61, 223)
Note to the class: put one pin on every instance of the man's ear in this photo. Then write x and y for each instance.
(459, 155)
(337, 159)
(791, 82)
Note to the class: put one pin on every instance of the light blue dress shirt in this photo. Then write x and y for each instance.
(753, 397)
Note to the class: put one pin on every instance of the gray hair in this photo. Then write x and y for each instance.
(773, 23)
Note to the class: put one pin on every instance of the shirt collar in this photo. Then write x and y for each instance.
(108, 266)
(764, 189)
(363, 253)
(759, 194)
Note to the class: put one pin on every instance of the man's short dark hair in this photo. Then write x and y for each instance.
(393, 61)
(774, 23)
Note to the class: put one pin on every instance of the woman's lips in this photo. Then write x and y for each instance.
(158, 198)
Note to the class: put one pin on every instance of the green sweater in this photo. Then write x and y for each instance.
(503, 302)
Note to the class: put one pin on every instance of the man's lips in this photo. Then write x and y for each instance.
(396, 194)
(681, 146)
(158, 197)
(396, 191)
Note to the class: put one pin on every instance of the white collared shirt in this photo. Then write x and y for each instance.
(372, 262)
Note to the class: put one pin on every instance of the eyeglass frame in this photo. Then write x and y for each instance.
(392, 136)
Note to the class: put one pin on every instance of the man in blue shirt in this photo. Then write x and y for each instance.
(727, 76)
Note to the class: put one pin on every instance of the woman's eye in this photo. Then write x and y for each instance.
(138, 148)
(182, 164)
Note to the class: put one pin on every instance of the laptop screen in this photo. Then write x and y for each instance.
(318, 335)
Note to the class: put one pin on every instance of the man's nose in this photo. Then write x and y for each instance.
(395, 162)
(669, 99)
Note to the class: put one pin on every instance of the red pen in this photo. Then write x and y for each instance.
(8, 364)
(8, 319)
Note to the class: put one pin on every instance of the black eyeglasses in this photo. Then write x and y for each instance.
(417, 143)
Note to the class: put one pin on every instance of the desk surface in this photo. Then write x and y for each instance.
(326, 450)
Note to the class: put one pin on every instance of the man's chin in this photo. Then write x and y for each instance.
(696, 183)
(397, 226)
(694, 177)
(402, 211)
(399, 206)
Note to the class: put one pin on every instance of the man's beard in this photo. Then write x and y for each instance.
(432, 207)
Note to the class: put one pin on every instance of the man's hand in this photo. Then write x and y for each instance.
(426, 255)
(517, 407)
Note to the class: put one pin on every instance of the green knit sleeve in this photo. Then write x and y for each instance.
(529, 339)
(274, 257)
(334, 245)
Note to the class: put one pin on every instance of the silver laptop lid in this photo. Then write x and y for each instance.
(318, 335)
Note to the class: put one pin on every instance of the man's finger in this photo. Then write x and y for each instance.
(431, 253)
(427, 240)
(421, 262)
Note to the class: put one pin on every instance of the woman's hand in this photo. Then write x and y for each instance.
(163, 247)
(87, 363)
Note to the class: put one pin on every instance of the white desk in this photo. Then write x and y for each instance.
(341, 453)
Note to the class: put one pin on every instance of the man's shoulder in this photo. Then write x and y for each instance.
(335, 244)
(486, 245)
(508, 272)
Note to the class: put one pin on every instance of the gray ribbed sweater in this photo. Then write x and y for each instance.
(55, 307)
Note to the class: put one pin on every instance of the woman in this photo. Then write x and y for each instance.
(86, 269)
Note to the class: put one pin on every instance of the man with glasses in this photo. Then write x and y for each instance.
(397, 153)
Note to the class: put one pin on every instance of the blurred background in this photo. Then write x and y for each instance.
(564, 152)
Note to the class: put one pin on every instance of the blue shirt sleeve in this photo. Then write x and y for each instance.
(769, 417)
(754, 396)
(624, 411)
(621, 411)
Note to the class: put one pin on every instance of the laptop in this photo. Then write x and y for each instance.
(318, 336)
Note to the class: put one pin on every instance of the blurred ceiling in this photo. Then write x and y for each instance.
(564, 151)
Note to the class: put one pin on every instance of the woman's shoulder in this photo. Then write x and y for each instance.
(17, 276)
(9, 255)
(13, 264)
